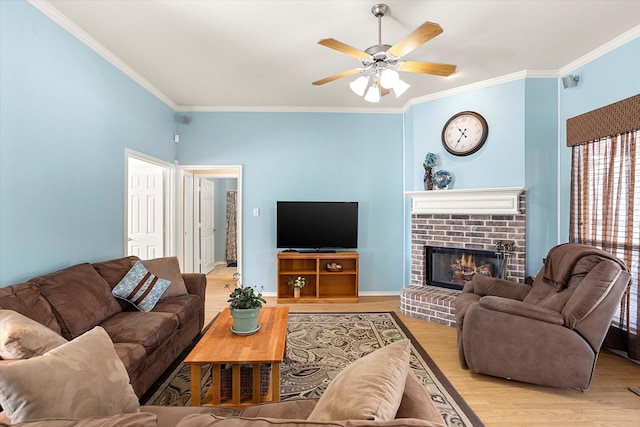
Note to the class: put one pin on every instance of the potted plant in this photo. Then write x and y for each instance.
(297, 284)
(244, 303)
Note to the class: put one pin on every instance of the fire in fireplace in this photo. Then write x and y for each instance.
(454, 267)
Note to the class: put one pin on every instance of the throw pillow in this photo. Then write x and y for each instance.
(82, 378)
(141, 288)
(369, 389)
(168, 268)
(22, 338)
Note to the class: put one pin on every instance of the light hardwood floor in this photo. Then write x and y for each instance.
(496, 401)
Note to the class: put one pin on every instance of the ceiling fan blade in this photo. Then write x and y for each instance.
(338, 76)
(426, 68)
(344, 48)
(419, 36)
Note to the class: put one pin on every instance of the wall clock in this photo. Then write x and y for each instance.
(464, 133)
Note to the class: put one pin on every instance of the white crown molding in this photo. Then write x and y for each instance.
(602, 50)
(480, 201)
(267, 109)
(535, 74)
(60, 19)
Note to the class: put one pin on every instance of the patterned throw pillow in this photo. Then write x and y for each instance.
(141, 288)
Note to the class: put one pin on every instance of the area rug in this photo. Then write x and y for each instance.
(319, 346)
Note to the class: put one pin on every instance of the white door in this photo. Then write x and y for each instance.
(207, 223)
(145, 209)
(190, 263)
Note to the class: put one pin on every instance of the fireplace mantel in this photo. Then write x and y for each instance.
(500, 201)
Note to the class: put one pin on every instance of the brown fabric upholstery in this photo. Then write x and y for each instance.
(113, 271)
(25, 298)
(553, 334)
(80, 298)
(184, 307)
(147, 329)
(561, 260)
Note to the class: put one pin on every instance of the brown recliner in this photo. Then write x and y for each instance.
(549, 333)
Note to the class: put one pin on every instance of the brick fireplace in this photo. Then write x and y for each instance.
(481, 219)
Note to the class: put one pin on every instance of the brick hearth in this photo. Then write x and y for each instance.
(472, 231)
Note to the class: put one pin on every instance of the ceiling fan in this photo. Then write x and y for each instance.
(382, 62)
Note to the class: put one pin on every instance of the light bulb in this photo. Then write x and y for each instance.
(388, 78)
(359, 85)
(400, 87)
(373, 94)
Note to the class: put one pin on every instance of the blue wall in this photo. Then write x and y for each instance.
(310, 156)
(499, 163)
(519, 151)
(610, 78)
(66, 117)
(541, 169)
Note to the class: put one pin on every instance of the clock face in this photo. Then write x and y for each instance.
(464, 133)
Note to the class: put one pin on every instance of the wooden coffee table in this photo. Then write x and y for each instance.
(220, 346)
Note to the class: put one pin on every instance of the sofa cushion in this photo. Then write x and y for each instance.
(147, 329)
(417, 403)
(131, 354)
(206, 420)
(373, 386)
(295, 408)
(123, 420)
(80, 298)
(114, 270)
(168, 268)
(26, 299)
(140, 287)
(22, 337)
(170, 416)
(184, 306)
(82, 378)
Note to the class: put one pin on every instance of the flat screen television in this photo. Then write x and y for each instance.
(317, 225)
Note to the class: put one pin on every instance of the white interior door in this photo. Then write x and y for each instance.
(189, 224)
(145, 209)
(207, 225)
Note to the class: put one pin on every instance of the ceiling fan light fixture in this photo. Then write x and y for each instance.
(400, 87)
(359, 85)
(373, 93)
(388, 78)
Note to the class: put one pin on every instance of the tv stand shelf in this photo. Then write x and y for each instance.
(321, 285)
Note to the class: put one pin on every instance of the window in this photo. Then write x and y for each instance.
(605, 199)
(605, 208)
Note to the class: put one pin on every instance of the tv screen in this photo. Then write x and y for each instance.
(317, 225)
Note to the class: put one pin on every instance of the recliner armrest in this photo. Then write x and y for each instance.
(485, 285)
(523, 309)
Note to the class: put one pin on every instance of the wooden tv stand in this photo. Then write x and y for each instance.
(322, 285)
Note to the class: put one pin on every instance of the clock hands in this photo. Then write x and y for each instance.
(462, 133)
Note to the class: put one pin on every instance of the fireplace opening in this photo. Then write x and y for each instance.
(453, 268)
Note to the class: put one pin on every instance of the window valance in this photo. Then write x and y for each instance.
(613, 119)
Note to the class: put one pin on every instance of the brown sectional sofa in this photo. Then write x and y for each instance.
(74, 300)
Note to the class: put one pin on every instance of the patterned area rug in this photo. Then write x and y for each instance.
(319, 346)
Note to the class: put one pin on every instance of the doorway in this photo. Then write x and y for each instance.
(203, 217)
(147, 206)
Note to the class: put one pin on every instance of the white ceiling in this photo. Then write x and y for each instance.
(248, 55)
